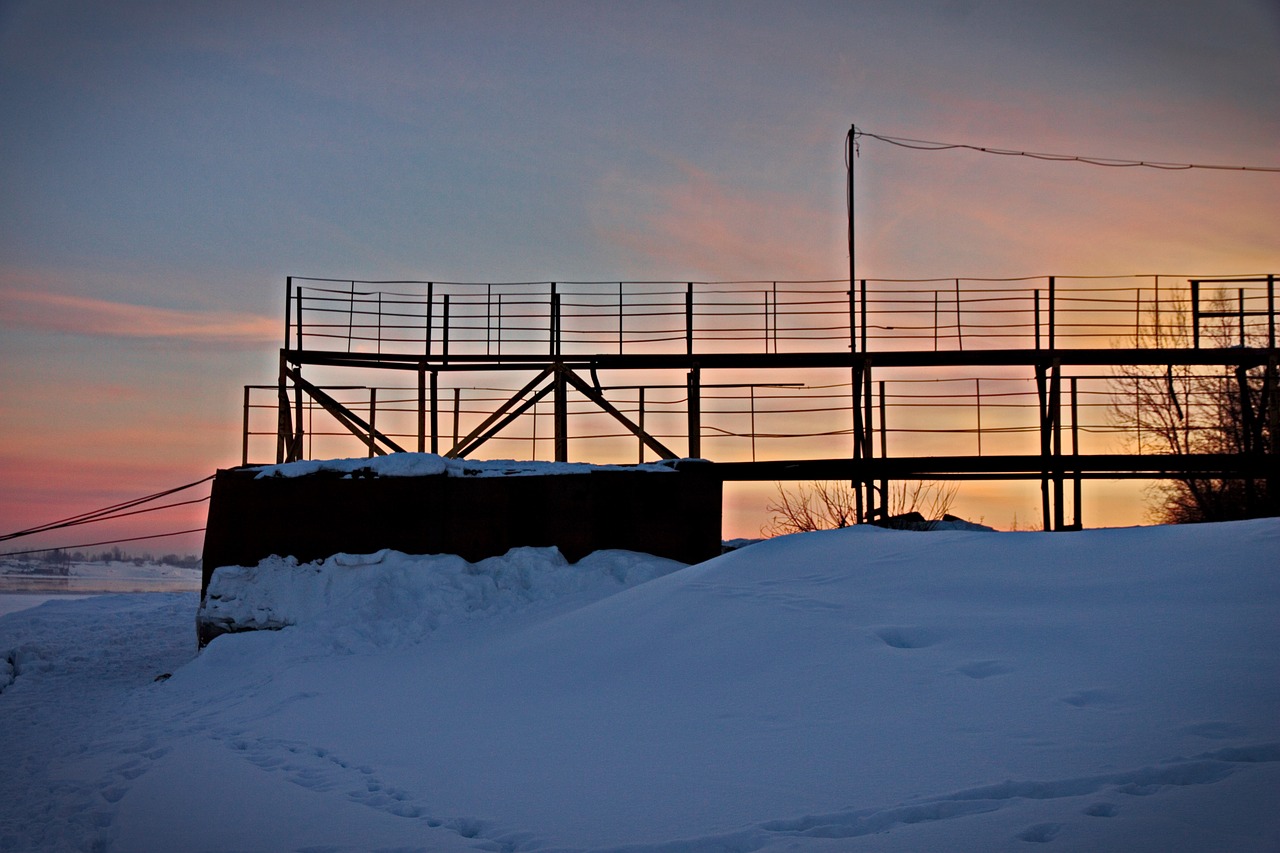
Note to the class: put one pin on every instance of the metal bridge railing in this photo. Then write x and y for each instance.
(582, 318)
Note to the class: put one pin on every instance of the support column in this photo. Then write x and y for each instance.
(694, 383)
(561, 415)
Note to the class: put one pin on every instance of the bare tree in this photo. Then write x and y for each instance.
(828, 505)
(1182, 409)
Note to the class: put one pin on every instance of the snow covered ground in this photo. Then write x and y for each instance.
(852, 690)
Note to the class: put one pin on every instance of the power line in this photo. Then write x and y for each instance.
(926, 145)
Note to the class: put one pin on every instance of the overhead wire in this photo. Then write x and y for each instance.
(927, 145)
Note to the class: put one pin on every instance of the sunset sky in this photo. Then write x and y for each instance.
(165, 165)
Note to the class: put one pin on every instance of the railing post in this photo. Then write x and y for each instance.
(373, 416)
(688, 319)
(1271, 311)
(351, 314)
(244, 452)
(863, 311)
(1037, 316)
(553, 321)
(288, 309)
(430, 310)
(853, 320)
(1053, 304)
(959, 320)
(1195, 314)
(1240, 303)
(297, 295)
(444, 330)
(977, 397)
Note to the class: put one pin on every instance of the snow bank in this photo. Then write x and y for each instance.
(862, 689)
(390, 599)
(432, 465)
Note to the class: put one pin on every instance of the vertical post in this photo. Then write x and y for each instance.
(284, 420)
(457, 414)
(1053, 305)
(870, 448)
(1195, 314)
(297, 296)
(444, 330)
(640, 423)
(373, 419)
(851, 147)
(244, 453)
(561, 416)
(862, 310)
(301, 433)
(499, 333)
(1271, 310)
(977, 397)
(775, 317)
(688, 319)
(488, 317)
(288, 309)
(435, 414)
(1055, 400)
(959, 320)
(351, 314)
(1137, 317)
(694, 384)
(935, 320)
(422, 407)
(1157, 310)
(1042, 395)
(752, 390)
(884, 454)
(553, 321)
(1075, 451)
(853, 322)
(855, 391)
(1037, 316)
(620, 333)
(431, 298)
(1240, 303)
(379, 322)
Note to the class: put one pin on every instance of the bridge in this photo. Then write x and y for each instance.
(1058, 380)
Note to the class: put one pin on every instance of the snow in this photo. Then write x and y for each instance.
(862, 689)
(433, 465)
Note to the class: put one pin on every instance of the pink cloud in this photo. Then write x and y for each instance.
(79, 315)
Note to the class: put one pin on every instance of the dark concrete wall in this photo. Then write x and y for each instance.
(672, 514)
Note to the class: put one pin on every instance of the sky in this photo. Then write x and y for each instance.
(166, 165)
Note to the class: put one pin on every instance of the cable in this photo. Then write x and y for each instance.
(106, 513)
(107, 542)
(926, 145)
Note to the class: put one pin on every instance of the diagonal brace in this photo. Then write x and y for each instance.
(597, 397)
(353, 422)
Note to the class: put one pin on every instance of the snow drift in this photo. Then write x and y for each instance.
(853, 690)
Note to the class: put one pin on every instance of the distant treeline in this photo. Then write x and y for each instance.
(59, 556)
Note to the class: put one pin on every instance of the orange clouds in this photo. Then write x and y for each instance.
(78, 315)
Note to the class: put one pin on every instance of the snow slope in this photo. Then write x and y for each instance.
(853, 690)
